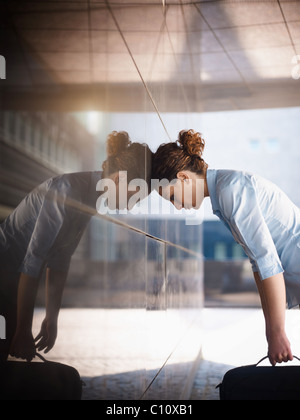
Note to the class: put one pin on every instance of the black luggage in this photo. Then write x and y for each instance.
(261, 383)
(39, 381)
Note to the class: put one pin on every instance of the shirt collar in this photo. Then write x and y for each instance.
(211, 179)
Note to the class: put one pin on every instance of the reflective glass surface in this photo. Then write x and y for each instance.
(75, 71)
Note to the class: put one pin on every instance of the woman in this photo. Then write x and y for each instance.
(43, 232)
(260, 216)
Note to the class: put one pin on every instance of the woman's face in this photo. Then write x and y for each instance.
(186, 192)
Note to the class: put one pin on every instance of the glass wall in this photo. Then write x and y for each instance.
(131, 313)
(144, 277)
(73, 71)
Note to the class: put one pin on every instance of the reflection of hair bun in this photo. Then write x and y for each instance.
(192, 143)
(123, 155)
(117, 142)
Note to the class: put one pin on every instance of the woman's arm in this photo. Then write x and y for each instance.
(273, 298)
(55, 283)
(23, 344)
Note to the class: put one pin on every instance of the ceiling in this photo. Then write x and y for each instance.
(140, 55)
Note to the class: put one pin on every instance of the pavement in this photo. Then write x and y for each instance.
(116, 362)
(128, 354)
(235, 337)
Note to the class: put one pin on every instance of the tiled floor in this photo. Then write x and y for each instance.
(230, 337)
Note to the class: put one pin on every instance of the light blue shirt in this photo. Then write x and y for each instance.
(47, 226)
(263, 220)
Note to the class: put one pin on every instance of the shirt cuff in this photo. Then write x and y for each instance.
(266, 272)
(32, 266)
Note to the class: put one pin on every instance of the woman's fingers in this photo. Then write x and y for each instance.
(286, 357)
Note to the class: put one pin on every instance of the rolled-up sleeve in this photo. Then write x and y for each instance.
(47, 227)
(243, 214)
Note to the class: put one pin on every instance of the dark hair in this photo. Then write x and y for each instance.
(184, 154)
(123, 155)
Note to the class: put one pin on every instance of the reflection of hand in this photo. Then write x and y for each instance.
(45, 340)
(23, 346)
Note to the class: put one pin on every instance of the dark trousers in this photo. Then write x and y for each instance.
(8, 309)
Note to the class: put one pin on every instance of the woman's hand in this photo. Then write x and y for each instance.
(23, 346)
(45, 340)
(279, 348)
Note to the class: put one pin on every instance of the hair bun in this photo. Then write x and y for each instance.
(191, 142)
(116, 143)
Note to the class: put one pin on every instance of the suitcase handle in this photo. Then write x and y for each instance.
(266, 357)
(41, 357)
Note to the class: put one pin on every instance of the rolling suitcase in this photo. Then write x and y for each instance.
(39, 381)
(261, 383)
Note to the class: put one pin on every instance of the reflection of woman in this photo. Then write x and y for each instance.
(43, 232)
(259, 215)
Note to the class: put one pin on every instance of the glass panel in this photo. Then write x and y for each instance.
(134, 295)
(74, 71)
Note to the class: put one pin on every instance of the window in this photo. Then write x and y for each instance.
(254, 145)
(22, 129)
(37, 137)
(273, 145)
(237, 252)
(12, 123)
(220, 251)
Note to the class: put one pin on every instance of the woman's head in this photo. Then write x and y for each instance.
(131, 160)
(183, 155)
(182, 164)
